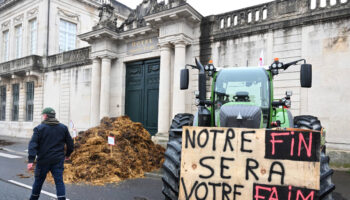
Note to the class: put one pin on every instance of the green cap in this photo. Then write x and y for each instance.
(49, 111)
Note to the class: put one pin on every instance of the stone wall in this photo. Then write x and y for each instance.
(68, 92)
(67, 86)
(291, 30)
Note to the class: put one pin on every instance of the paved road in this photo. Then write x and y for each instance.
(10, 168)
(13, 163)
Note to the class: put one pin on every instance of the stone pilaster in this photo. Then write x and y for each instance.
(105, 87)
(95, 92)
(164, 89)
(179, 103)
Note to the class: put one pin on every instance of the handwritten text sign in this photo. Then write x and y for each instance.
(243, 164)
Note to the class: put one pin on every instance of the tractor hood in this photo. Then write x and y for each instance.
(240, 116)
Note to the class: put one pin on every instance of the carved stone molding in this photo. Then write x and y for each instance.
(18, 19)
(68, 14)
(5, 25)
(177, 40)
(33, 12)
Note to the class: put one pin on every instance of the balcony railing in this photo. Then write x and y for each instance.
(21, 65)
(77, 57)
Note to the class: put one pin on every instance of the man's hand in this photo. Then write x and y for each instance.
(30, 166)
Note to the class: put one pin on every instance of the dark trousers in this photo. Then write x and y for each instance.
(40, 176)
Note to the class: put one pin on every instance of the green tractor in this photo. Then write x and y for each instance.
(241, 97)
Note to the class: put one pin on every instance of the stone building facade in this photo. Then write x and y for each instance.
(43, 62)
(132, 64)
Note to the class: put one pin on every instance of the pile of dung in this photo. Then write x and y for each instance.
(133, 154)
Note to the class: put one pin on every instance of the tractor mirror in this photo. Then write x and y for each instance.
(184, 79)
(306, 76)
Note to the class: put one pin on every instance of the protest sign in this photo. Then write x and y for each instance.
(242, 164)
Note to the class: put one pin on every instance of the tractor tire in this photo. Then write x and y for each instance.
(172, 163)
(326, 185)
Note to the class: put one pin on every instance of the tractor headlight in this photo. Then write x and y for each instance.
(274, 71)
(274, 65)
(197, 102)
(210, 73)
(206, 68)
(288, 103)
(280, 65)
(196, 94)
(211, 67)
(289, 93)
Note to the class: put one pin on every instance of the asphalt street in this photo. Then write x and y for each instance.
(15, 181)
(13, 186)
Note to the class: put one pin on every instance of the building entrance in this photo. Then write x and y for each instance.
(142, 93)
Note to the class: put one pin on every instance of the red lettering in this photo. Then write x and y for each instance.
(308, 148)
(311, 195)
(274, 195)
(290, 192)
(274, 141)
(257, 188)
(292, 146)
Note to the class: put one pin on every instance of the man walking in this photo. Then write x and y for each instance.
(47, 145)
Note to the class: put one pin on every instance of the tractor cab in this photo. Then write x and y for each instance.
(241, 97)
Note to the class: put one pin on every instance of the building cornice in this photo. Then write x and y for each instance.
(185, 11)
(98, 34)
(8, 3)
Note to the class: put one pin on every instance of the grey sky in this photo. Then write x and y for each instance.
(208, 7)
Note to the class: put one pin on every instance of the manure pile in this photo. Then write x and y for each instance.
(133, 154)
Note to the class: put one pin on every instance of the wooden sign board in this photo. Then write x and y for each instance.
(243, 164)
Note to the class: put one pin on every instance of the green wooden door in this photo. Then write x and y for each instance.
(142, 93)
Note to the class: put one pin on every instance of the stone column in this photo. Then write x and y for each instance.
(105, 87)
(164, 89)
(95, 92)
(180, 62)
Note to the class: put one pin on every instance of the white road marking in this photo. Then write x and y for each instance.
(9, 155)
(15, 152)
(29, 187)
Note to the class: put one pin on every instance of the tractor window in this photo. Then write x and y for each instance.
(243, 85)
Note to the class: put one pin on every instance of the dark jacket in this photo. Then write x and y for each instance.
(48, 142)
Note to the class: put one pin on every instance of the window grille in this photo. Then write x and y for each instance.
(29, 101)
(2, 103)
(15, 101)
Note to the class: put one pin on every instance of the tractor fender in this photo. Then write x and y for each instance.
(284, 116)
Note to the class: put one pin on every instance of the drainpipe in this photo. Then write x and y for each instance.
(48, 28)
